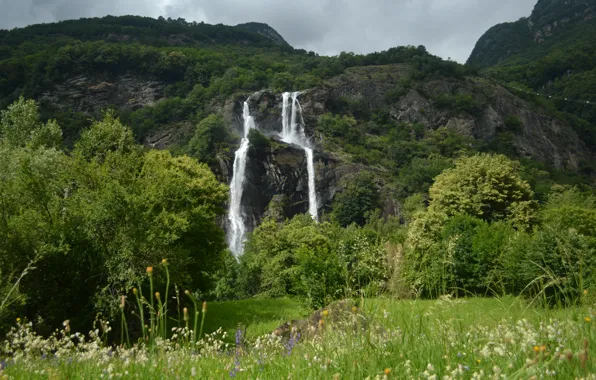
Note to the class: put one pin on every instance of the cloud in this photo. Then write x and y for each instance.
(448, 28)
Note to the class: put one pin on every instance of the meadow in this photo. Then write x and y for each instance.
(380, 338)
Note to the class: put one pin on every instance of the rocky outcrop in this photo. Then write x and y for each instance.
(91, 94)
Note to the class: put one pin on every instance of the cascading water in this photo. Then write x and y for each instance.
(236, 225)
(292, 132)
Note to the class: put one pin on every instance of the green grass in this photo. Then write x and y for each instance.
(256, 316)
(460, 338)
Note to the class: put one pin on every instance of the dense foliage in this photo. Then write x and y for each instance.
(92, 220)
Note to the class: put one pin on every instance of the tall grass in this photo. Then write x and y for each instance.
(376, 338)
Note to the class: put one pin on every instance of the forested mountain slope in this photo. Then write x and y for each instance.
(552, 52)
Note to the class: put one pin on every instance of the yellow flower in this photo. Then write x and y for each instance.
(321, 322)
(387, 371)
(478, 361)
(585, 292)
(204, 310)
(149, 271)
(588, 319)
(536, 349)
(164, 261)
(542, 348)
(18, 320)
(325, 313)
(354, 309)
(134, 291)
(157, 295)
(185, 310)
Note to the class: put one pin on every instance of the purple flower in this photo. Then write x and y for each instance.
(238, 337)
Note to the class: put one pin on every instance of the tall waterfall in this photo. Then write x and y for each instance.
(236, 225)
(292, 132)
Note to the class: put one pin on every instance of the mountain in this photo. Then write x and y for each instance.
(552, 23)
(264, 30)
(553, 53)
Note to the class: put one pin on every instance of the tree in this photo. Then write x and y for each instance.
(485, 186)
(210, 135)
(107, 135)
(359, 197)
(20, 126)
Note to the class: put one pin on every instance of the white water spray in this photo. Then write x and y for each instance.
(292, 132)
(236, 225)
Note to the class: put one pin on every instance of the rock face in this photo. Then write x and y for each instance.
(93, 94)
(280, 171)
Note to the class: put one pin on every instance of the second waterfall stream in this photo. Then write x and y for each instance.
(292, 132)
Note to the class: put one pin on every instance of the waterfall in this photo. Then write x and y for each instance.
(236, 225)
(292, 132)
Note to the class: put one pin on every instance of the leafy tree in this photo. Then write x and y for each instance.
(292, 258)
(210, 135)
(20, 125)
(107, 135)
(488, 187)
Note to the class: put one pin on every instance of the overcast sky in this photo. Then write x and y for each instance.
(448, 28)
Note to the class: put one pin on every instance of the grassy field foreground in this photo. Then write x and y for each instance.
(460, 338)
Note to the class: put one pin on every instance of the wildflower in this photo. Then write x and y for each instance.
(150, 271)
(193, 372)
(536, 349)
(478, 361)
(585, 292)
(185, 311)
(321, 322)
(325, 313)
(134, 291)
(588, 319)
(122, 301)
(354, 309)
(164, 261)
(204, 310)
(387, 371)
(157, 295)
(18, 320)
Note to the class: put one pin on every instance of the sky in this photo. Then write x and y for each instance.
(448, 28)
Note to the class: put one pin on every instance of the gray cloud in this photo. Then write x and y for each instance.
(448, 28)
